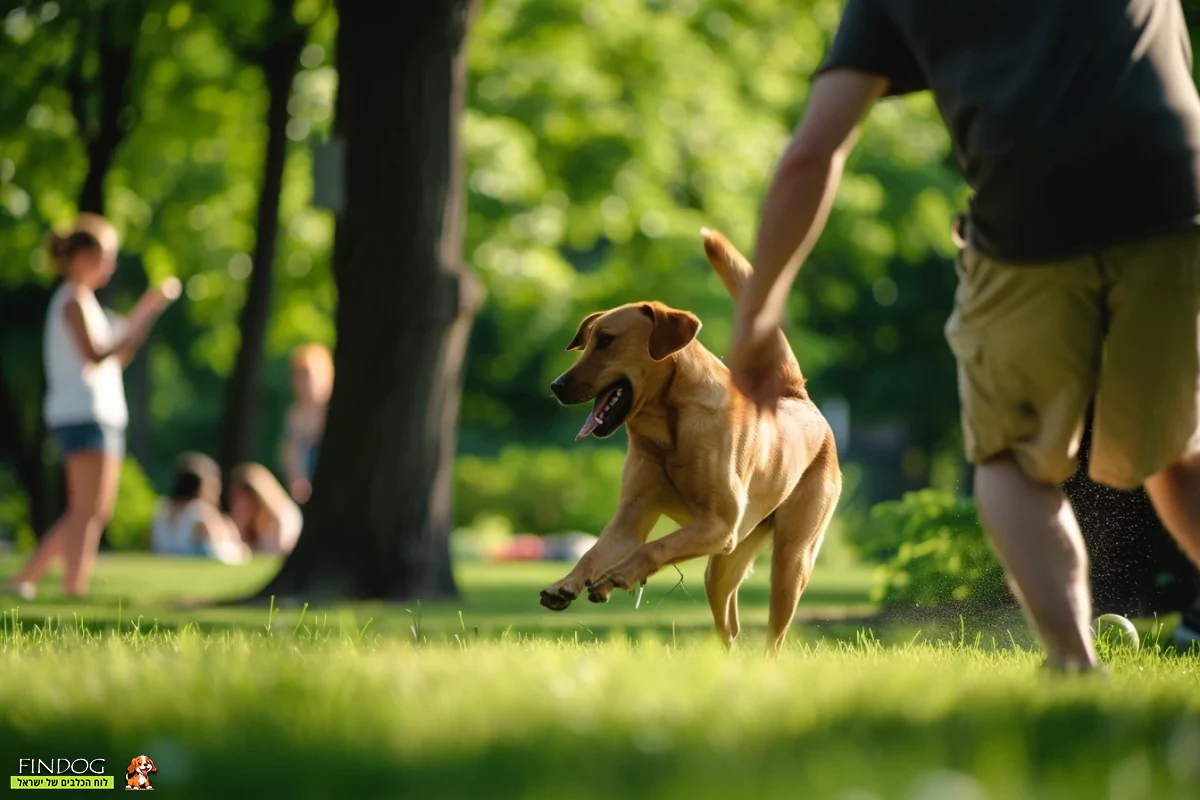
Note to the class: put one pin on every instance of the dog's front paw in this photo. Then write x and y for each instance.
(557, 598)
(600, 589)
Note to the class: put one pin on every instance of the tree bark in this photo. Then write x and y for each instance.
(21, 434)
(379, 520)
(103, 131)
(278, 61)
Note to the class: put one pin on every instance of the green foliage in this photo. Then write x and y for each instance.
(14, 512)
(931, 551)
(182, 191)
(544, 490)
(129, 528)
(601, 136)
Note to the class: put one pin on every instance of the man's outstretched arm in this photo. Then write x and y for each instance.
(793, 215)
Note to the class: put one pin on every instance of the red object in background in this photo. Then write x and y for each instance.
(523, 547)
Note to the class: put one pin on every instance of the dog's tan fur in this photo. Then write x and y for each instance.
(704, 456)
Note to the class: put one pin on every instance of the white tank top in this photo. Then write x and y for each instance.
(78, 391)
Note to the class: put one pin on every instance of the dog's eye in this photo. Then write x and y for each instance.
(603, 340)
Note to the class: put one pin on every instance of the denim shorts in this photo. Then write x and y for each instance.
(89, 437)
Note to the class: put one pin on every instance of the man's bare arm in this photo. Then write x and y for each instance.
(801, 193)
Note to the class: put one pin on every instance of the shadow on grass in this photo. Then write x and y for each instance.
(1067, 749)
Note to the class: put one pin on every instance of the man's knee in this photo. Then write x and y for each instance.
(1042, 471)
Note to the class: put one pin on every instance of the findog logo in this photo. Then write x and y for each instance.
(60, 773)
(137, 774)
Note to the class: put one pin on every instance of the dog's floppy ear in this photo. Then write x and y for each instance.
(584, 328)
(132, 768)
(151, 762)
(673, 330)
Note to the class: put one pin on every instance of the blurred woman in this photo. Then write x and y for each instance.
(85, 351)
(269, 521)
(312, 383)
(190, 522)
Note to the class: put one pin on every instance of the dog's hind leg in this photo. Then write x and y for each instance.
(724, 575)
(800, 524)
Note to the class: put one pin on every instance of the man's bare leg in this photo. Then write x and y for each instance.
(1175, 493)
(1035, 533)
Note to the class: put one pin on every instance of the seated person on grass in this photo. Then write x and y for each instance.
(268, 519)
(189, 522)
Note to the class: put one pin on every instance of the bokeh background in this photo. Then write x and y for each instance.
(600, 135)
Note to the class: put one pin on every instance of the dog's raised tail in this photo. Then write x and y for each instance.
(734, 270)
(730, 265)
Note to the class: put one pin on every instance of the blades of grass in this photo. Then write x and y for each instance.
(299, 622)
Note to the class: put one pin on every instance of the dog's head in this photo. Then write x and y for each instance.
(626, 356)
(141, 765)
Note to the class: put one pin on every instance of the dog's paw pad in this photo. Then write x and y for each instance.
(555, 601)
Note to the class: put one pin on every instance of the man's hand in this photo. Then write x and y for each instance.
(301, 490)
(755, 359)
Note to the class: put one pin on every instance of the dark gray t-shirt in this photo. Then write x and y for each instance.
(1076, 122)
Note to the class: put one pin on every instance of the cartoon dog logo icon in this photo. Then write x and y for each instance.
(137, 774)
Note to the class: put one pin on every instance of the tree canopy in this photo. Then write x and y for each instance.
(600, 135)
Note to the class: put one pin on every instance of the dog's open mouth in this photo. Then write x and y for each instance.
(609, 411)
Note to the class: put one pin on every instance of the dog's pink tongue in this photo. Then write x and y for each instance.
(588, 427)
(595, 418)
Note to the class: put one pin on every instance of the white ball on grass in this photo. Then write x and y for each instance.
(1119, 630)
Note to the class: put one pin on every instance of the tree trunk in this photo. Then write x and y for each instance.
(24, 454)
(137, 375)
(103, 132)
(278, 61)
(379, 521)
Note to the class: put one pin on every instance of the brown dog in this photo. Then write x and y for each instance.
(137, 774)
(701, 454)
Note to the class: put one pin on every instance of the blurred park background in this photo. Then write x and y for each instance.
(598, 136)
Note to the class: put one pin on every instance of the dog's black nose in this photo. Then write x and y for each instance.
(559, 386)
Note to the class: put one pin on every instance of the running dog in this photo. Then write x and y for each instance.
(731, 475)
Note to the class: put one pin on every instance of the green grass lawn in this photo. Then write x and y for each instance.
(513, 701)
(495, 598)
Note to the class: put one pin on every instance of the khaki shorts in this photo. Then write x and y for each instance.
(1034, 343)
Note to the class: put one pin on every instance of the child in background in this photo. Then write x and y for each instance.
(190, 521)
(85, 354)
(267, 518)
(312, 383)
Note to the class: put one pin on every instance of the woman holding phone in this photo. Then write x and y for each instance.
(85, 354)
